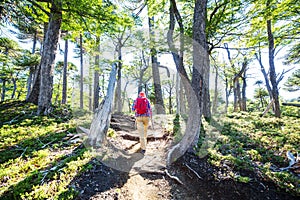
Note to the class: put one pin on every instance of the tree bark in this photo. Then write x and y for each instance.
(118, 99)
(102, 116)
(196, 91)
(90, 90)
(48, 58)
(206, 95)
(3, 90)
(159, 102)
(177, 54)
(201, 67)
(182, 99)
(235, 95)
(14, 80)
(215, 101)
(58, 88)
(263, 71)
(244, 97)
(227, 94)
(273, 80)
(177, 88)
(31, 68)
(34, 94)
(65, 70)
(81, 72)
(96, 75)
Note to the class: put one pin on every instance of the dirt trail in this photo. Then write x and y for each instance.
(144, 180)
(124, 146)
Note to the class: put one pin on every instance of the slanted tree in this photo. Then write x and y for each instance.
(101, 120)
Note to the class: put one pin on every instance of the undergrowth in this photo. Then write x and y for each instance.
(35, 160)
(259, 144)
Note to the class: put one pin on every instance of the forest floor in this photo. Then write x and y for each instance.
(190, 177)
(43, 157)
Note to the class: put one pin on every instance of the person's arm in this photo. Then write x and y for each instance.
(149, 109)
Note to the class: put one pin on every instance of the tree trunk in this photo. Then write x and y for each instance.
(182, 98)
(96, 76)
(244, 97)
(124, 96)
(102, 116)
(194, 90)
(143, 67)
(118, 99)
(170, 100)
(227, 94)
(81, 72)
(238, 89)
(90, 93)
(177, 54)
(215, 101)
(48, 58)
(198, 83)
(29, 81)
(65, 70)
(3, 90)
(159, 102)
(261, 101)
(235, 96)
(263, 71)
(273, 80)
(58, 89)
(200, 76)
(206, 95)
(177, 88)
(34, 94)
(14, 80)
(31, 68)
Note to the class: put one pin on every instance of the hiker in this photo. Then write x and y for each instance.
(143, 112)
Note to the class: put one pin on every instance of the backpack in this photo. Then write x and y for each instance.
(141, 105)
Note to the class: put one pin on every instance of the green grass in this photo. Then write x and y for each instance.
(251, 142)
(35, 161)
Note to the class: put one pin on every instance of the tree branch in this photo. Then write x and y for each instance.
(282, 75)
(39, 6)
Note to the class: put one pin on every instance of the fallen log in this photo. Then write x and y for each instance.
(291, 104)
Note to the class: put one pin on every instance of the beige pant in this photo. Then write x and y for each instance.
(142, 126)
